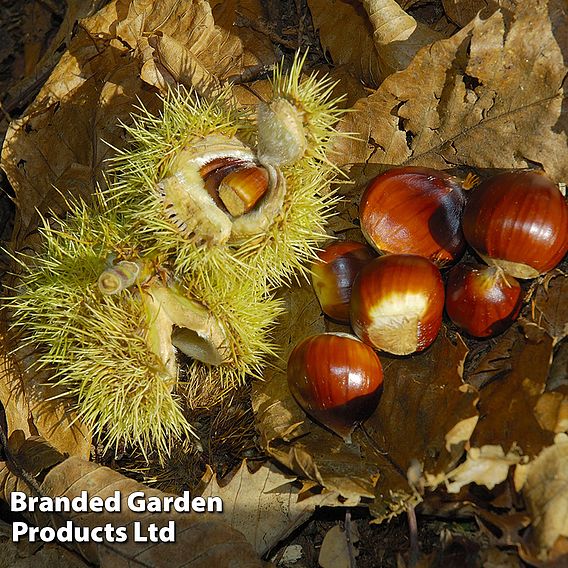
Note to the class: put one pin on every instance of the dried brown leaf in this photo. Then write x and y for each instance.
(336, 21)
(337, 549)
(549, 308)
(203, 540)
(551, 410)
(425, 416)
(544, 485)
(507, 404)
(463, 11)
(28, 408)
(397, 35)
(24, 554)
(487, 466)
(263, 505)
(488, 97)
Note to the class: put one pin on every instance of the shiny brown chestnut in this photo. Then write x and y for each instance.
(414, 210)
(482, 300)
(333, 275)
(336, 379)
(518, 221)
(397, 303)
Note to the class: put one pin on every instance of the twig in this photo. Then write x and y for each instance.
(350, 550)
(262, 27)
(413, 535)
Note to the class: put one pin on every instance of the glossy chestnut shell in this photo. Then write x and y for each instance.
(397, 303)
(333, 275)
(414, 210)
(482, 300)
(518, 221)
(336, 379)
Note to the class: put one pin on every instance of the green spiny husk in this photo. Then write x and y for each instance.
(271, 256)
(96, 346)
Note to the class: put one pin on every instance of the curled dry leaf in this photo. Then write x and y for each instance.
(488, 97)
(28, 408)
(487, 466)
(548, 307)
(202, 540)
(551, 410)
(337, 20)
(263, 505)
(544, 485)
(397, 35)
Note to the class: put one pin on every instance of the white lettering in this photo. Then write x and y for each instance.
(121, 534)
(47, 534)
(137, 532)
(18, 529)
(112, 503)
(136, 502)
(80, 503)
(96, 504)
(96, 534)
(214, 505)
(182, 504)
(168, 534)
(18, 501)
(198, 504)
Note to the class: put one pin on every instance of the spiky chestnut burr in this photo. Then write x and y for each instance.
(109, 332)
(157, 181)
(115, 353)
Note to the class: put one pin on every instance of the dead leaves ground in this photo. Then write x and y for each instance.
(462, 429)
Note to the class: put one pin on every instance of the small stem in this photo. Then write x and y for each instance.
(413, 535)
(350, 550)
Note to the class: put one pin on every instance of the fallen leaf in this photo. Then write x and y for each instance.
(548, 306)
(336, 550)
(397, 35)
(463, 11)
(487, 466)
(26, 554)
(544, 485)
(507, 403)
(551, 410)
(263, 505)
(337, 20)
(423, 400)
(29, 407)
(488, 97)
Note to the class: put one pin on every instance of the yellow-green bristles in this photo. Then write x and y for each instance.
(312, 96)
(156, 140)
(248, 315)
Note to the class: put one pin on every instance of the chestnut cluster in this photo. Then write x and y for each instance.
(419, 221)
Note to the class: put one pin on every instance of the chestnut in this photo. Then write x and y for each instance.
(333, 275)
(415, 211)
(518, 221)
(482, 300)
(336, 379)
(397, 303)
